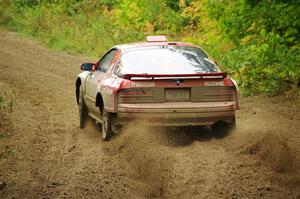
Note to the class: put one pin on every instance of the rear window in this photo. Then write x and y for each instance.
(165, 60)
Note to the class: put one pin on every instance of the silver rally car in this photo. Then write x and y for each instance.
(156, 83)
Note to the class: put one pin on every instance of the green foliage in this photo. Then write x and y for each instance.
(257, 42)
(72, 26)
(139, 18)
(265, 34)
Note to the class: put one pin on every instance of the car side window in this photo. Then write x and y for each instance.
(106, 60)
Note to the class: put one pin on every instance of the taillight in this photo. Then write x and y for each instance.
(132, 93)
(237, 94)
(135, 96)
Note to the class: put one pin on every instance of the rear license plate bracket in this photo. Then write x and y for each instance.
(177, 94)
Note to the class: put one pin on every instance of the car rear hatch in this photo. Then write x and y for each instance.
(205, 87)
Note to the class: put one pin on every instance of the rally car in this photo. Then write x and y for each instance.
(156, 82)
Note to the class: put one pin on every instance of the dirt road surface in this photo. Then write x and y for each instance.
(44, 154)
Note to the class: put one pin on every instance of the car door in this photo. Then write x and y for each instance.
(95, 78)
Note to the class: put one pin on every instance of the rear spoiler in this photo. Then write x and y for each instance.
(214, 75)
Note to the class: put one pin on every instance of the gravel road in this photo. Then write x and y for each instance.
(44, 154)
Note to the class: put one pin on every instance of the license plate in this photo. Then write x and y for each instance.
(177, 94)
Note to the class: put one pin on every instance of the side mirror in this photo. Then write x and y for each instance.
(88, 67)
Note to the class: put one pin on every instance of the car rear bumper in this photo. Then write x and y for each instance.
(176, 114)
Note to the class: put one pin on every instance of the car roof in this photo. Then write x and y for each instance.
(124, 47)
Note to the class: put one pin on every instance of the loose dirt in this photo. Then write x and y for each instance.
(44, 154)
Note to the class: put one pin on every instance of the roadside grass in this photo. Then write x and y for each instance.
(7, 102)
(4, 134)
(8, 152)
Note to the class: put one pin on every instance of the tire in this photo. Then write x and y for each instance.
(222, 129)
(106, 125)
(82, 110)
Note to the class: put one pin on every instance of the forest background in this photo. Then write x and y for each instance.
(255, 41)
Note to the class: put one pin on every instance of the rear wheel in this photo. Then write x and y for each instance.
(106, 125)
(221, 128)
(81, 109)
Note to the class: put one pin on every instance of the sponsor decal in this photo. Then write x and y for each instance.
(214, 83)
(143, 84)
